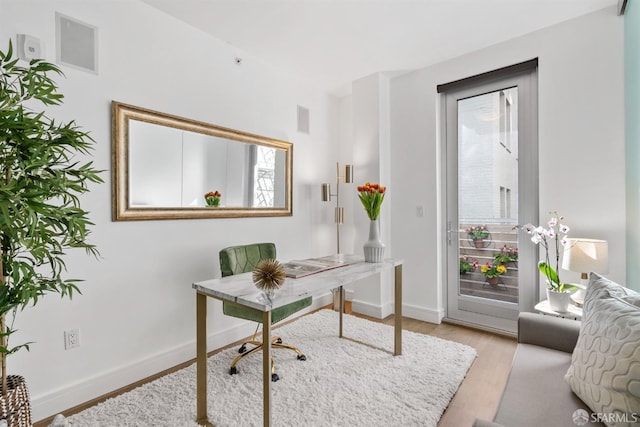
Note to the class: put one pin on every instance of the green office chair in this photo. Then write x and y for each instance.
(243, 259)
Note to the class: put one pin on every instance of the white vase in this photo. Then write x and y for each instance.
(558, 301)
(374, 248)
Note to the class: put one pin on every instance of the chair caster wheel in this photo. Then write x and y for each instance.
(302, 357)
(233, 370)
(274, 378)
(242, 349)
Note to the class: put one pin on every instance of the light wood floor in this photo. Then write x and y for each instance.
(477, 397)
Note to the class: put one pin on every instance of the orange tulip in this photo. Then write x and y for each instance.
(371, 196)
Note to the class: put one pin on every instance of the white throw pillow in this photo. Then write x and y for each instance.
(605, 365)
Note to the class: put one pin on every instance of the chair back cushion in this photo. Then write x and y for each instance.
(244, 258)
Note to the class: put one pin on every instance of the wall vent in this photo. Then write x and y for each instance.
(76, 44)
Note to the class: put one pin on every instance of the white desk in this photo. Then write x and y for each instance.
(241, 290)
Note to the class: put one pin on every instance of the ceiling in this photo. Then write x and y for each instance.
(334, 42)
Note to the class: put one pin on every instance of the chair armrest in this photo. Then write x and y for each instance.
(547, 331)
(484, 423)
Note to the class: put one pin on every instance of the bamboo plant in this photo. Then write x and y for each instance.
(41, 176)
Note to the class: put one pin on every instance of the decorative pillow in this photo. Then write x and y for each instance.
(605, 365)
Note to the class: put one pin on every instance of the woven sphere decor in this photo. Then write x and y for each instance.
(268, 276)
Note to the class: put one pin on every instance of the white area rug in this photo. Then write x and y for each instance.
(341, 383)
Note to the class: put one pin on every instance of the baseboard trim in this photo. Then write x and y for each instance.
(372, 310)
(410, 311)
(424, 314)
(106, 384)
(482, 328)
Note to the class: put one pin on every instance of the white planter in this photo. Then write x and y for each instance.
(374, 248)
(558, 301)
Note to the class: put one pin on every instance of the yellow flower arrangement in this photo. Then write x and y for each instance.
(491, 271)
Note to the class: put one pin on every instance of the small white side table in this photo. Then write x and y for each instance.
(573, 312)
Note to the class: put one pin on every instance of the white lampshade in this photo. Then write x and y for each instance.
(586, 255)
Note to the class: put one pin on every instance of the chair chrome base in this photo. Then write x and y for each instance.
(276, 342)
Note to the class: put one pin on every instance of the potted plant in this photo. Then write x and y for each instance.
(506, 255)
(558, 292)
(212, 198)
(371, 196)
(40, 213)
(477, 234)
(465, 265)
(492, 272)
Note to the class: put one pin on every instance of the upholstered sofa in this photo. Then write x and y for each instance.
(571, 373)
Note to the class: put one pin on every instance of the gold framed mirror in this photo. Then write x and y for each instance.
(164, 167)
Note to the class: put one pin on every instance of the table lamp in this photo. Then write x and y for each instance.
(582, 256)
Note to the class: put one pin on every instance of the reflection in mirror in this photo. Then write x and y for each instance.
(164, 165)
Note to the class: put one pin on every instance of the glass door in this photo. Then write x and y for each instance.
(491, 145)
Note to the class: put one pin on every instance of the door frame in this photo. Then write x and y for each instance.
(528, 207)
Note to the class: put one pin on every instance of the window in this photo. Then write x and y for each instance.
(506, 119)
(264, 177)
(505, 202)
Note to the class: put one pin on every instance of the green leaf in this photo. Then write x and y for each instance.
(549, 272)
(567, 287)
(9, 52)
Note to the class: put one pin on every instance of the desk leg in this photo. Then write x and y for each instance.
(397, 351)
(201, 359)
(266, 368)
(341, 291)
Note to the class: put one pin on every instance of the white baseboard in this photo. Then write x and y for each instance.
(424, 314)
(372, 310)
(56, 401)
(411, 311)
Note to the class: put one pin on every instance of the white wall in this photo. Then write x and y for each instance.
(137, 312)
(581, 145)
(136, 316)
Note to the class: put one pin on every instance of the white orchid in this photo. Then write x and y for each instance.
(545, 237)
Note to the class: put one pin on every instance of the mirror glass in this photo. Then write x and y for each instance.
(171, 167)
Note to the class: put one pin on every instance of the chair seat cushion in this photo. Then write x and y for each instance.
(278, 314)
(535, 394)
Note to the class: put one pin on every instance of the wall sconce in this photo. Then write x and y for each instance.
(327, 195)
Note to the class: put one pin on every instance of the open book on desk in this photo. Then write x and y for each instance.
(300, 268)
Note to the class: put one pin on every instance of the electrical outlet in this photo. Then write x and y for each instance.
(71, 338)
